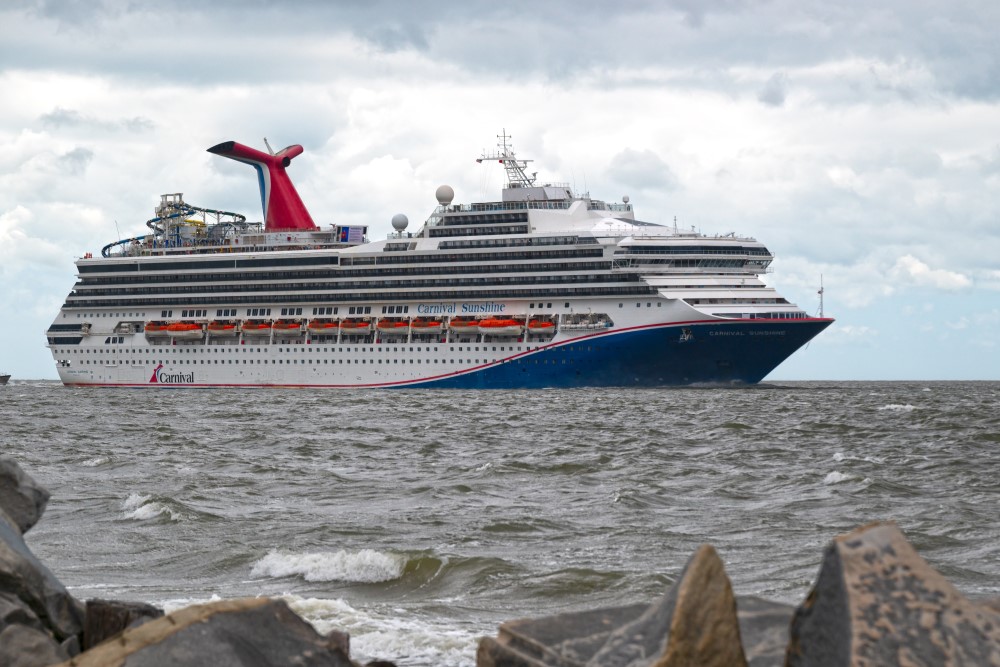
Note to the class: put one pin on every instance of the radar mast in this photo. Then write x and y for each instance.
(517, 177)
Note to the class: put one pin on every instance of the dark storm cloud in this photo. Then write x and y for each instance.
(75, 161)
(257, 40)
(773, 92)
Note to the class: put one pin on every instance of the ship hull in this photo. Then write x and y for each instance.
(655, 355)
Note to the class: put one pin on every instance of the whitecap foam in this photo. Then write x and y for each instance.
(97, 461)
(138, 506)
(365, 566)
(838, 456)
(391, 634)
(897, 407)
(835, 478)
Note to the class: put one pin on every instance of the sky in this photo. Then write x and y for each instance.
(859, 140)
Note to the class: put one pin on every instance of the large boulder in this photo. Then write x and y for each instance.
(764, 630)
(26, 646)
(20, 496)
(877, 602)
(24, 641)
(24, 577)
(106, 618)
(564, 640)
(252, 632)
(694, 624)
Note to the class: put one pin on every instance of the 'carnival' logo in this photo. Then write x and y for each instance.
(159, 377)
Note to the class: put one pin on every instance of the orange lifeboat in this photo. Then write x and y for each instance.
(185, 330)
(256, 328)
(500, 327)
(426, 326)
(287, 326)
(355, 327)
(156, 330)
(541, 326)
(393, 327)
(222, 329)
(322, 328)
(464, 326)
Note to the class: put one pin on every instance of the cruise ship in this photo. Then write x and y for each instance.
(541, 288)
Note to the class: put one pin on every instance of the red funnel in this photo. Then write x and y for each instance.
(283, 209)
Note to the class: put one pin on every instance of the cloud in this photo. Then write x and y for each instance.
(60, 118)
(75, 161)
(909, 270)
(642, 169)
(773, 92)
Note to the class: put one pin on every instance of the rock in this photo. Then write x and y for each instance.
(15, 612)
(764, 630)
(565, 639)
(106, 618)
(26, 646)
(23, 576)
(695, 624)
(20, 496)
(877, 602)
(256, 632)
(339, 639)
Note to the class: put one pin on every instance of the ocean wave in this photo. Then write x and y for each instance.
(365, 566)
(897, 407)
(142, 508)
(835, 477)
(96, 461)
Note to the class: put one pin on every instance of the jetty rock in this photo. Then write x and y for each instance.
(40, 622)
(20, 496)
(249, 632)
(877, 602)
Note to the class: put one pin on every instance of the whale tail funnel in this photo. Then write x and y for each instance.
(283, 209)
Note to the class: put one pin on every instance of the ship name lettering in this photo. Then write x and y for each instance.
(489, 307)
(436, 309)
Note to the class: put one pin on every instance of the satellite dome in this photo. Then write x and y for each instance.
(444, 195)
(625, 199)
(399, 222)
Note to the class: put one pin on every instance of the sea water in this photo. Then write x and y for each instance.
(418, 521)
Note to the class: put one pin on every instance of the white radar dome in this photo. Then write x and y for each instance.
(444, 195)
(625, 199)
(399, 222)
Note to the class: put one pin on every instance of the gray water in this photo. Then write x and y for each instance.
(418, 521)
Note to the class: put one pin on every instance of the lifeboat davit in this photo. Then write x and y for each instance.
(355, 327)
(426, 326)
(156, 330)
(185, 330)
(393, 327)
(500, 327)
(464, 326)
(222, 329)
(256, 328)
(322, 328)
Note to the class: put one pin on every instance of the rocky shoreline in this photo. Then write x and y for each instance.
(875, 602)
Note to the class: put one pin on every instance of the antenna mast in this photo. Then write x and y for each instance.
(517, 177)
(820, 292)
